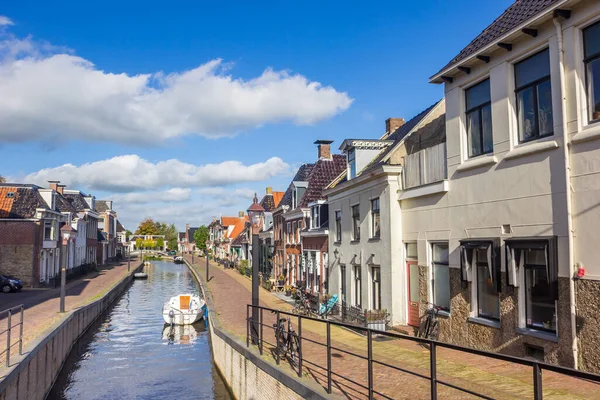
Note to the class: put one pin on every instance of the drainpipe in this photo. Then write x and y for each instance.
(567, 164)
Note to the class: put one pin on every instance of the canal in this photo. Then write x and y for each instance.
(130, 354)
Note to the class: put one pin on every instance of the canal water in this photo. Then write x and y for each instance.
(130, 354)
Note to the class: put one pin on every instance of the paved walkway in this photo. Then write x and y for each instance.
(232, 291)
(42, 305)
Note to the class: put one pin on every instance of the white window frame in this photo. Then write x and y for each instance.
(338, 230)
(354, 238)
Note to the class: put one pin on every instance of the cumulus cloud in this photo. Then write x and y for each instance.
(130, 173)
(169, 195)
(5, 21)
(48, 93)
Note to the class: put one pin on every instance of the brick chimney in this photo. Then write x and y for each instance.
(324, 147)
(60, 189)
(269, 190)
(391, 124)
(54, 185)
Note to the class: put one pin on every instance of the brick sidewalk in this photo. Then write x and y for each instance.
(42, 305)
(498, 379)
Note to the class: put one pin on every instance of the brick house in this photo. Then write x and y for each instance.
(107, 224)
(85, 206)
(269, 203)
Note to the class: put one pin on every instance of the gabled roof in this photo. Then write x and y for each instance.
(120, 227)
(77, 200)
(301, 175)
(101, 206)
(22, 203)
(277, 196)
(191, 232)
(321, 175)
(240, 240)
(515, 15)
(238, 223)
(63, 204)
(181, 236)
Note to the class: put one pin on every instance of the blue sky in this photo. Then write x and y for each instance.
(124, 87)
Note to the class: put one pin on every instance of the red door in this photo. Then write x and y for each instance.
(412, 279)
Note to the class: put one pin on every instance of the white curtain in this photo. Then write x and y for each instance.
(512, 268)
(547, 264)
(467, 262)
(489, 260)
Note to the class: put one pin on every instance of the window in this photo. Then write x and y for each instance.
(479, 262)
(315, 223)
(294, 198)
(479, 119)
(289, 232)
(411, 250)
(532, 263)
(338, 226)
(355, 223)
(534, 97)
(441, 275)
(375, 219)
(48, 230)
(357, 287)
(376, 289)
(352, 163)
(294, 232)
(591, 51)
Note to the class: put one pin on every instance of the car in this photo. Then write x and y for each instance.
(10, 284)
(172, 252)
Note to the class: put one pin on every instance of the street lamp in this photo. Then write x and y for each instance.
(66, 237)
(256, 215)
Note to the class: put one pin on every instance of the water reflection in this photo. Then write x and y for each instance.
(131, 354)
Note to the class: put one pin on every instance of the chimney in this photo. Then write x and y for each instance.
(60, 189)
(187, 227)
(241, 214)
(269, 190)
(391, 124)
(54, 185)
(324, 147)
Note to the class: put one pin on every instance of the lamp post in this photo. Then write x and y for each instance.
(66, 237)
(256, 214)
(193, 248)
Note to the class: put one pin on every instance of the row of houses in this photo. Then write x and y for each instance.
(486, 203)
(44, 228)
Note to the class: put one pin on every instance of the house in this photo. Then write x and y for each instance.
(186, 242)
(29, 233)
(121, 238)
(223, 232)
(86, 212)
(268, 203)
(107, 224)
(508, 247)
(75, 230)
(366, 268)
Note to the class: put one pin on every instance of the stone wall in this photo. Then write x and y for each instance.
(32, 376)
(17, 250)
(588, 324)
(246, 374)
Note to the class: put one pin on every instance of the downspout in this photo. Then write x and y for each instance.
(567, 164)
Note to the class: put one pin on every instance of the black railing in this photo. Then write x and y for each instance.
(255, 335)
(8, 331)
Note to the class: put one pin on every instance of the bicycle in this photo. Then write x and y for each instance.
(302, 306)
(430, 326)
(287, 341)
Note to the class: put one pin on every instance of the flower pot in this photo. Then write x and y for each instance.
(377, 325)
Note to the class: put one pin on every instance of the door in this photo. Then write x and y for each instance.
(412, 271)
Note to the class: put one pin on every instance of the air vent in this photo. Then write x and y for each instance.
(506, 229)
(10, 195)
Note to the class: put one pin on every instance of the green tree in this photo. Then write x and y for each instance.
(138, 243)
(128, 234)
(160, 242)
(170, 232)
(149, 244)
(200, 237)
(147, 227)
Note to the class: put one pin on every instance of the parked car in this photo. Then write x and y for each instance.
(10, 284)
(172, 252)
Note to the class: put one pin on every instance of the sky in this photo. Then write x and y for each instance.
(181, 111)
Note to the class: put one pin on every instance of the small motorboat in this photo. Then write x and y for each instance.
(184, 309)
(140, 275)
(182, 334)
(178, 260)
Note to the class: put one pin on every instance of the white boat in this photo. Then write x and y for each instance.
(178, 260)
(183, 309)
(181, 334)
(140, 275)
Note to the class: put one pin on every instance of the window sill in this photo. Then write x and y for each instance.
(590, 132)
(483, 321)
(375, 239)
(477, 162)
(531, 148)
(338, 242)
(443, 314)
(355, 241)
(538, 334)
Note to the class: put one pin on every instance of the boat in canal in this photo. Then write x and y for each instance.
(178, 260)
(182, 334)
(183, 309)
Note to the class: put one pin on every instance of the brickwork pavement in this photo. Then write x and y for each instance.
(232, 291)
(42, 305)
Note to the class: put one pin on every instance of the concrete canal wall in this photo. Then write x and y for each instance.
(35, 372)
(247, 375)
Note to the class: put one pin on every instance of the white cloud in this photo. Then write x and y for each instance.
(221, 192)
(133, 173)
(5, 21)
(170, 195)
(48, 93)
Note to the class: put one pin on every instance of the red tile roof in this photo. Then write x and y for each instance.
(277, 196)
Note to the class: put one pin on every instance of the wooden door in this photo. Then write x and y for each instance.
(412, 280)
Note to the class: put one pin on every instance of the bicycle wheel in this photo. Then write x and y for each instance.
(424, 327)
(434, 331)
(294, 348)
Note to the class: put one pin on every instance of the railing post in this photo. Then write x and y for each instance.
(432, 370)
(299, 346)
(277, 338)
(261, 332)
(370, 361)
(21, 331)
(8, 339)
(537, 382)
(328, 357)
(247, 325)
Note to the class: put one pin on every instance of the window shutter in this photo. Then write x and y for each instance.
(466, 261)
(512, 261)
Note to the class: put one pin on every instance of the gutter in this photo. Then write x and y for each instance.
(567, 164)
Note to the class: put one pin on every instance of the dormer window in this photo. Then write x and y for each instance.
(315, 222)
(351, 163)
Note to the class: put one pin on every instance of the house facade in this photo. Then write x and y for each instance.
(107, 224)
(508, 247)
(269, 203)
(85, 206)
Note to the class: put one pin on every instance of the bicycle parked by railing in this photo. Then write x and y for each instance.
(303, 304)
(287, 341)
(430, 326)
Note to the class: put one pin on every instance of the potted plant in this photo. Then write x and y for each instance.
(281, 280)
(288, 290)
(376, 319)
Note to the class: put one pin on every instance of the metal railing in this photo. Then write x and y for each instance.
(255, 335)
(426, 166)
(9, 329)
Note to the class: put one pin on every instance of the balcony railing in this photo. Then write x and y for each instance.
(426, 166)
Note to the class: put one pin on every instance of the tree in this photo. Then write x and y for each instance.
(2, 179)
(147, 227)
(128, 234)
(160, 242)
(149, 244)
(200, 237)
(170, 232)
(138, 243)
